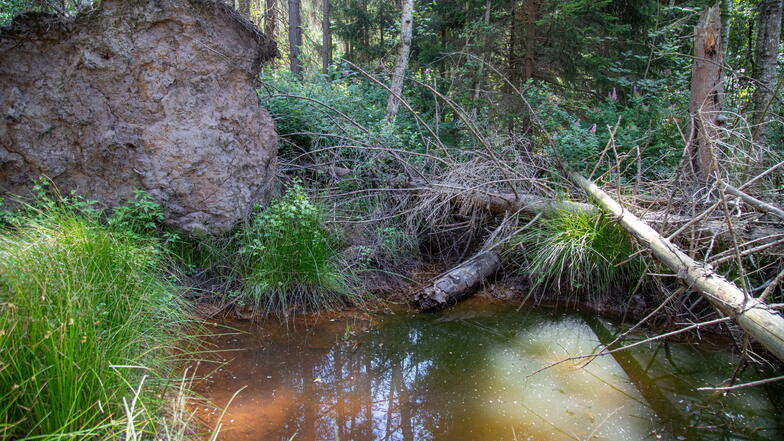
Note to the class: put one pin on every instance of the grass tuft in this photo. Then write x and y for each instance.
(579, 253)
(77, 302)
(289, 260)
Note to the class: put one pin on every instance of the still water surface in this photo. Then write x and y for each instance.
(462, 375)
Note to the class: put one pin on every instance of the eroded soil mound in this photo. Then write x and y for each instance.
(150, 94)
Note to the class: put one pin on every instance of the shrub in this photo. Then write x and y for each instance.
(289, 259)
(141, 216)
(579, 253)
(77, 302)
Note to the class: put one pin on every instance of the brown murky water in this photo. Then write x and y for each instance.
(463, 375)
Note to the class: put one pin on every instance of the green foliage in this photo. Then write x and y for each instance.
(308, 124)
(79, 301)
(44, 200)
(11, 8)
(579, 253)
(289, 259)
(645, 120)
(141, 215)
(141, 218)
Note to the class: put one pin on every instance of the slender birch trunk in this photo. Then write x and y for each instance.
(404, 51)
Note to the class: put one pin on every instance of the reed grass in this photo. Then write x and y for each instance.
(85, 312)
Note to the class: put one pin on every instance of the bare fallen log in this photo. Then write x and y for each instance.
(755, 317)
(459, 282)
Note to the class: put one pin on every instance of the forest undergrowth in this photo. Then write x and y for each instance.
(100, 310)
(363, 202)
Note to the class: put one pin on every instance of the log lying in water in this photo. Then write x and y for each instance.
(459, 282)
(759, 321)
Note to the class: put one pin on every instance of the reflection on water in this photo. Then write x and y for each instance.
(462, 375)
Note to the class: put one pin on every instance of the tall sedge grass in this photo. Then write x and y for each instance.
(579, 253)
(289, 260)
(84, 313)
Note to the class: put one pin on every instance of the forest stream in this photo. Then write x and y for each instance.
(464, 374)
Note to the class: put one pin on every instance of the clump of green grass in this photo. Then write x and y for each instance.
(289, 260)
(578, 252)
(84, 313)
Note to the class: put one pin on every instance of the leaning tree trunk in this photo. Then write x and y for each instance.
(295, 37)
(401, 65)
(706, 93)
(754, 316)
(326, 37)
(767, 50)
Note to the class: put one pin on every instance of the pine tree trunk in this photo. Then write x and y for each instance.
(706, 93)
(295, 37)
(480, 73)
(531, 16)
(401, 65)
(766, 53)
(326, 37)
(270, 18)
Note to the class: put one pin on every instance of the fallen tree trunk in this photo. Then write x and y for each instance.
(754, 202)
(498, 204)
(466, 278)
(759, 321)
(459, 282)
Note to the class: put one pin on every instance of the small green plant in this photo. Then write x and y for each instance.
(45, 199)
(580, 253)
(141, 216)
(290, 260)
(84, 313)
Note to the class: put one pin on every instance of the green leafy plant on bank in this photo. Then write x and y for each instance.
(290, 260)
(85, 312)
(577, 252)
